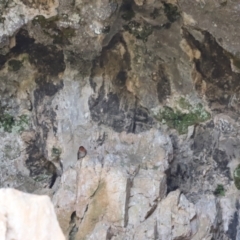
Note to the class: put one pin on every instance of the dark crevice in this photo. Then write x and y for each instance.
(95, 191)
(132, 127)
(151, 210)
(49, 63)
(41, 170)
(217, 229)
(116, 107)
(110, 234)
(91, 80)
(128, 192)
(54, 170)
(49, 60)
(156, 234)
(214, 65)
(163, 85)
(73, 226)
(233, 225)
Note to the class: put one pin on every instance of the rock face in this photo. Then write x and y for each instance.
(27, 216)
(150, 89)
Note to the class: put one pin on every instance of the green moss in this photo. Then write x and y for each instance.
(56, 152)
(184, 104)
(140, 31)
(179, 120)
(171, 12)
(41, 177)
(236, 177)
(9, 123)
(22, 123)
(219, 191)
(14, 65)
(7, 151)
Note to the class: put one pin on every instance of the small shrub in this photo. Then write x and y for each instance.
(219, 191)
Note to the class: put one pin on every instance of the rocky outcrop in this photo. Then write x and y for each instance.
(27, 216)
(150, 89)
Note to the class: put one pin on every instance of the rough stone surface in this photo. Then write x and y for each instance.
(150, 89)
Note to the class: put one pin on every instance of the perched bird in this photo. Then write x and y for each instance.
(82, 152)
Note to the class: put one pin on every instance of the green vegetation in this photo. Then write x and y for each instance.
(171, 12)
(22, 123)
(42, 177)
(219, 191)
(236, 177)
(184, 104)
(14, 65)
(140, 31)
(56, 152)
(8, 123)
(181, 120)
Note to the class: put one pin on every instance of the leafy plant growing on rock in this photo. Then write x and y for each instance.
(8, 123)
(181, 120)
(22, 123)
(219, 191)
(56, 152)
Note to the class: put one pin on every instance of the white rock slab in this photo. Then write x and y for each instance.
(25, 216)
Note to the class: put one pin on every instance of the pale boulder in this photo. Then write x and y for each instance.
(176, 217)
(26, 216)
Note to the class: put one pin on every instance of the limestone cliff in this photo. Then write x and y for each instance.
(151, 90)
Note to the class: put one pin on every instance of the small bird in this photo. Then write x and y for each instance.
(82, 152)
